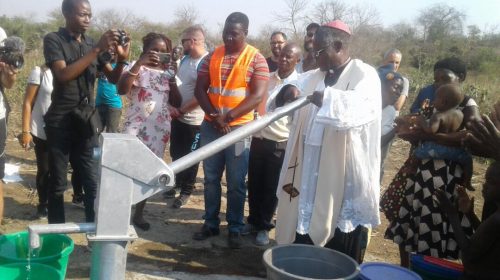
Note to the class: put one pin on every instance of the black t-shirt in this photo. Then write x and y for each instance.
(61, 45)
(273, 66)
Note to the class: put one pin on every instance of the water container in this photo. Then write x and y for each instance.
(431, 268)
(300, 262)
(385, 271)
(37, 271)
(54, 250)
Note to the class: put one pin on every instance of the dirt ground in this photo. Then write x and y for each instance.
(167, 247)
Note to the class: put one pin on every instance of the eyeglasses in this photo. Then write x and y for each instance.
(188, 40)
(318, 53)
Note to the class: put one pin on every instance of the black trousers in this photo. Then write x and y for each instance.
(64, 146)
(42, 169)
(3, 141)
(353, 243)
(264, 166)
(184, 138)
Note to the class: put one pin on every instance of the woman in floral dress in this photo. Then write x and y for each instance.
(150, 90)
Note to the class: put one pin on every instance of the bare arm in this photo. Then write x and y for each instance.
(258, 89)
(126, 81)
(189, 106)
(432, 126)
(175, 98)
(471, 113)
(65, 73)
(114, 75)
(398, 105)
(200, 92)
(29, 100)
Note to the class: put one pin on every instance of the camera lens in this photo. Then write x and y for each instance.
(123, 39)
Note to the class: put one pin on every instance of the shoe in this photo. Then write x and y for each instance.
(41, 211)
(78, 200)
(248, 229)
(169, 194)
(234, 240)
(205, 233)
(262, 238)
(181, 201)
(144, 226)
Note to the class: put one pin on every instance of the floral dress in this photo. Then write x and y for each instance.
(148, 115)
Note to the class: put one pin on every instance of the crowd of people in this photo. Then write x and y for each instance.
(313, 175)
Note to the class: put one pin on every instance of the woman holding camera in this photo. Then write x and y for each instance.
(151, 89)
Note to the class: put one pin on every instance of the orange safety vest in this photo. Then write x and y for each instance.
(226, 98)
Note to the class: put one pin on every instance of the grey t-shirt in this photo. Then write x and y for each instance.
(187, 75)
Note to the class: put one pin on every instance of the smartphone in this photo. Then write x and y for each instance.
(164, 58)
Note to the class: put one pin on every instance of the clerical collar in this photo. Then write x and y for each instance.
(332, 75)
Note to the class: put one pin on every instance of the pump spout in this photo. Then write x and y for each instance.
(35, 230)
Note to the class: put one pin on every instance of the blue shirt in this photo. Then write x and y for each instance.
(428, 92)
(107, 94)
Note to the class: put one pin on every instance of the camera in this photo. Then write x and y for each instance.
(123, 39)
(165, 58)
(15, 59)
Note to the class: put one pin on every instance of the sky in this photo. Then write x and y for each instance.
(483, 13)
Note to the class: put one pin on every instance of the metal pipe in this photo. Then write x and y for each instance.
(36, 230)
(227, 140)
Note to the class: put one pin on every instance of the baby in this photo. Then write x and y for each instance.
(446, 119)
(480, 253)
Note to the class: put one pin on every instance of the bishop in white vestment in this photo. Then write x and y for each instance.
(329, 184)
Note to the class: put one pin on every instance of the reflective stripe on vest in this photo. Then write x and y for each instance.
(235, 89)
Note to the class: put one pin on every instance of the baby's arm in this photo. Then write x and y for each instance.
(432, 126)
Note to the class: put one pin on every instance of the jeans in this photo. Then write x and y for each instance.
(66, 146)
(384, 151)
(235, 160)
(184, 138)
(42, 169)
(266, 159)
(110, 117)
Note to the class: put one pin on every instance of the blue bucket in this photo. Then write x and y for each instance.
(384, 271)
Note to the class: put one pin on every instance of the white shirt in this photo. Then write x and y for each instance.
(186, 81)
(42, 101)
(279, 130)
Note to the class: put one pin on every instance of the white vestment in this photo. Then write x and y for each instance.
(336, 153)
